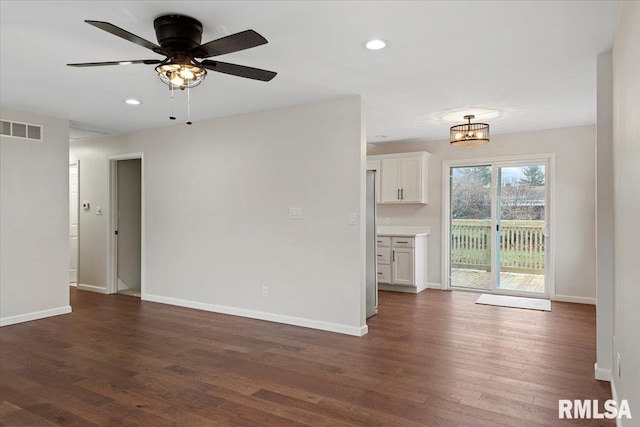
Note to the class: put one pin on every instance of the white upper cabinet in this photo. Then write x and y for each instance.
(403, 177)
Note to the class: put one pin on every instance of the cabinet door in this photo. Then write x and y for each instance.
(391, 172)
(411, 182)
(402, 270)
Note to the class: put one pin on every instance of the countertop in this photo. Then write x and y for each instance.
(403, 230)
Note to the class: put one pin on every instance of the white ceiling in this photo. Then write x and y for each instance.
(535, 61)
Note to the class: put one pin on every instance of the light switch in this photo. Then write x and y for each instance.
(98, 210)
(352, 218)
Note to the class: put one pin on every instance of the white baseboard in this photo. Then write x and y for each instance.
(578, 300)
(92, 288)
(27, 317)
(399, 288)
(261, 315)
(434, 286)
(73, 284)
(602, 374)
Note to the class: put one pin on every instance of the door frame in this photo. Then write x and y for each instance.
(76, 163)
(546, 158)
(112, 221)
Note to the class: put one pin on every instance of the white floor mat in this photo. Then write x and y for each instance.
(515, 302)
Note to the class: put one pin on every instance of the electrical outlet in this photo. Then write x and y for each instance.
(265, 291)
(352, 218)
(295, 213)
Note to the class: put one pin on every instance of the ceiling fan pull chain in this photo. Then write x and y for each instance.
(188, 105)
(172, 117)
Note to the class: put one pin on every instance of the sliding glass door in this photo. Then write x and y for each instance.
(471, 212)
(520, 218)
(497, 227)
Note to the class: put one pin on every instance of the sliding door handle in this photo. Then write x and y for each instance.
(394, 255)
(402, 194)
(398, 196)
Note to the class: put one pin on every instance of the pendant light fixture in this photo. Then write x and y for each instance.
(469, 134)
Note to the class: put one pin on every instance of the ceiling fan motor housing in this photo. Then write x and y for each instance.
(177, 33)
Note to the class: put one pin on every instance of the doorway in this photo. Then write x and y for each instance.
(74, 187)
(497, 226)
(126, 219)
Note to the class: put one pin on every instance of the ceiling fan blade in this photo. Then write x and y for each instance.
(239, 70)
(99, 64)
(229, 44)
(117, 31)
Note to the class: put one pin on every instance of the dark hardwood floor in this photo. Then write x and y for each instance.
(434, 359)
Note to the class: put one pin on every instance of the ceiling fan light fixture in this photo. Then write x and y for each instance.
(181, 76)
(469, 134)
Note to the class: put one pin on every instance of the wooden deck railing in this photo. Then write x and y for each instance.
(521, 245)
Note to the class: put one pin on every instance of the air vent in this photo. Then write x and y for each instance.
(21, 130)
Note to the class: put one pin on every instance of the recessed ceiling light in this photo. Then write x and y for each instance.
(125, 63)
(132, 102)
(376, 44)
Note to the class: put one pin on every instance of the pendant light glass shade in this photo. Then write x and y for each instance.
(180, 76)
(469, 134)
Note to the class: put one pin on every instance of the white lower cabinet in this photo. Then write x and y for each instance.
(402, 263)
(384, 273)
(403, 266)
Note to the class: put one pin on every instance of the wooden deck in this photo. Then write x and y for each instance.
(431, 359)
(478, 279)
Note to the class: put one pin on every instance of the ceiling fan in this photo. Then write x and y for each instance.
(179, 38)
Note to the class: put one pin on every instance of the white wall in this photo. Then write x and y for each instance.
(217, 198)
(604, 217)
(34, 221)
(626, 149)
(574, 189)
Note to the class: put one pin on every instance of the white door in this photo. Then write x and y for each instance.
(402, 266)
(129, 223)
(73, 223)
